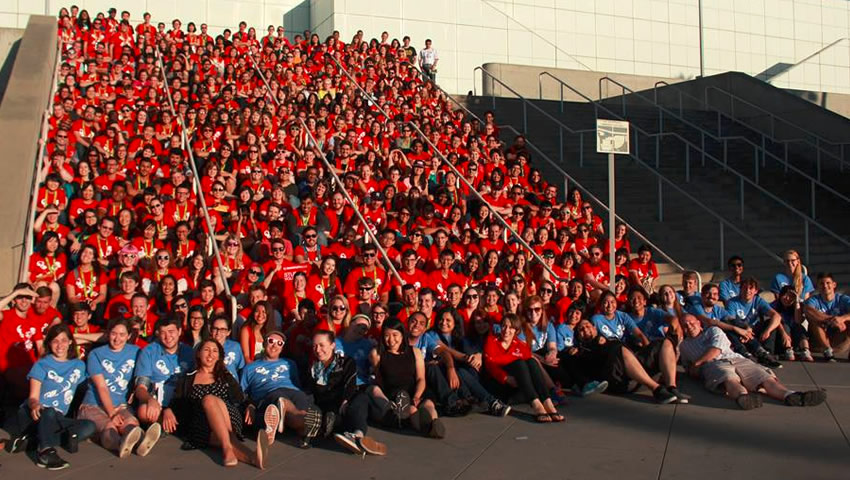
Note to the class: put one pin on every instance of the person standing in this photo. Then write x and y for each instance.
(428, 59)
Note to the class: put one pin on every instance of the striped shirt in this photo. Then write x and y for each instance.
(691, 349)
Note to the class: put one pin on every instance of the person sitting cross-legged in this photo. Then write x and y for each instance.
(707, 353)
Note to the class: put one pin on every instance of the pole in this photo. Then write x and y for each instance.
(612, 219)
(701, 44)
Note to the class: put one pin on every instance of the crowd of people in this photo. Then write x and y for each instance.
(245, 235)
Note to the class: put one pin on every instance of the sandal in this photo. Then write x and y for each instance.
(557, 417)
(543, 418)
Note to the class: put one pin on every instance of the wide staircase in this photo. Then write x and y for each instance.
(701, 194)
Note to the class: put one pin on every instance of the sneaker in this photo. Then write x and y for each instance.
(806, 356)
(663, 396)
(19, 444)
(129, 441)
(749, 401)
(828, 356)
(788, 355)
(50, 460)
(805, 399)
(271, 418)
(312, 423)
(680, 397)
(768, 361)
(348, 441)
(149, 440)
(438, 429)
(499, 409)
(371, 446)
(594, 387)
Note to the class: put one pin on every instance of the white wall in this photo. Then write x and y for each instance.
(642, 37)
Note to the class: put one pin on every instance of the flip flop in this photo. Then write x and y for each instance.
(543, 418)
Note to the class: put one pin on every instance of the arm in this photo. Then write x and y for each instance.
(447, 359)
(420, 377)
(102, 392)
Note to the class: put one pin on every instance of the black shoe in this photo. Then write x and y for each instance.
(50, 460)
(749, 401)
(663, 396)
(19, 444)
(806, 399)
(499, 409)
(768, 361)
(680, 397)
(312, 423)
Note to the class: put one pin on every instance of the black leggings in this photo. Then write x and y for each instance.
(529, 379)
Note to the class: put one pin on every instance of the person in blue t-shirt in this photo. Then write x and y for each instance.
(731, 287)
(789, 309)
(220, 329)
(614, 324)
(273, 385)
(111, 369)
(793, 275)
(748, 310)
(655, 323)
(690, 293)
(157, 368)
(53, 383)
(711, 314)
(829, 315)
(355, 344)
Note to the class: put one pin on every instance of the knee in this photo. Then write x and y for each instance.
(210, 401)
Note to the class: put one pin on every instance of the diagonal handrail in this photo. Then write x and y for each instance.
(457, 173)
(806, 219)
(197, 181)
(567, 178)
(330, 169)
(29, 237)
(741, 177)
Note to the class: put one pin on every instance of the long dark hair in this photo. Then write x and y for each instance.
(394, 324)
(219, 370)
(457, 332)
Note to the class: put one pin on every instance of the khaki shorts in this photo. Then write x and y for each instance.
(102, 421)
(748, 372)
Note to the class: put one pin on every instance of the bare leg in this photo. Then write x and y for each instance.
(429, 407)
(294, 418)
(219, 426)
(734, 389)
(667, 363)
(110, 439)
(635, 370)
(538, 407)
(818, 333)
(549, 406)
(775, 390)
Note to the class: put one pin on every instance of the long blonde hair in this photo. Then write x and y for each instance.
(797, 274)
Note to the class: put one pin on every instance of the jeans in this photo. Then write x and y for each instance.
(357, 413)
(529, 379)
(51, 427)
(470, 385)
(754, 345)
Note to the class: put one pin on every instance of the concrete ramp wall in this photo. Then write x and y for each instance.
(21, 113)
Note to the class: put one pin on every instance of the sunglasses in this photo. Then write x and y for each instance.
(471, 297)
(370, 255)
(255, 272)
(535, 309)
(366, 289)
(272, 341)
(278, 249)
(162, 257)
(338, 308)
(311, 236)
(546, 290)
(232, 244)
(217, 189)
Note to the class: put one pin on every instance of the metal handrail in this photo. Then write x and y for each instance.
(740, 176)
(29, 235)
(336, 178)
(457, 173)
(773, 117)
(660, 177)
(536, 34)
(772, 137)
(197, 181)
(808, 57)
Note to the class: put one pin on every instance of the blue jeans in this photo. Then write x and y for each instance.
(52, 425)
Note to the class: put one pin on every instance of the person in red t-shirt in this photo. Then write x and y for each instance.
(19, 339)
(594, 272)
(642, 270)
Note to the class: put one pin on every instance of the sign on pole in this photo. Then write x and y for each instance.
(612, 137)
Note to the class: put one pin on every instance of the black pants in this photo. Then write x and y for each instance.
(356, 413)
(529, 379)
(470, 385)
(600, 362)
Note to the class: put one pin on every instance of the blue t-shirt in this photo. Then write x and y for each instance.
(747, 312)
(715, 313)
(261, 377)
(839, 305)
(59, 381)
(615, 328)
(234, 360)
(653, 323)
(729, 289)
(541, 336)
(117, 370)
(163, 368)
(688, 300)
(359, 351)
(786, 314)
(564, 336)
(427, 343)
(780, 280)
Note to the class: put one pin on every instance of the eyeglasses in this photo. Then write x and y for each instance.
(158, 205)
(217, 189)
(272, 341)
(546, 290)
(517, 281)
(219, 329)
(162, 257)
(366, 289)
(472, 297)
(587, 207)
(311, 236)
(535, 309)
(232, 244)
(338, 308)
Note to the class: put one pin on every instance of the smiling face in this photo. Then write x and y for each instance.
(323, 348)
(208, 354)
(60, 346)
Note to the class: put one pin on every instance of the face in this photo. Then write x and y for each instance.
(446, 323)
(219, 331)
(274, 345)
(59, 346)
(196, 321)
(323, 348)
(169, 335)
(508, 332)
(691, 326)
(534, 313)
(41, 304)
(792, 262)
(586, 330)
(710, 297)
(609, 305)
(392, 339)
(338, 310)
(827, 285)
(417, 324)
(668, 296)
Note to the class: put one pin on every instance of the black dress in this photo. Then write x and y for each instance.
(398, 372)
(189, 410)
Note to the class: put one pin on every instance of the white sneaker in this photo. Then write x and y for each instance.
(129, 441)
(151, 437)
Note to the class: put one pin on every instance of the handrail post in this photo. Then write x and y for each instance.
(623, 100)
(702, 139)
(756, 162)
(806, 239)
(813, 200)
(719, 126)
(581, 149)
(818, 162)
(562, 97)
(660, 201)
(725, 155)
(786, 158)
(742, 197)
(722, 247)
(525, 118)
(540, 86)
(657, 151)
(561, 145)
(687, 163)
